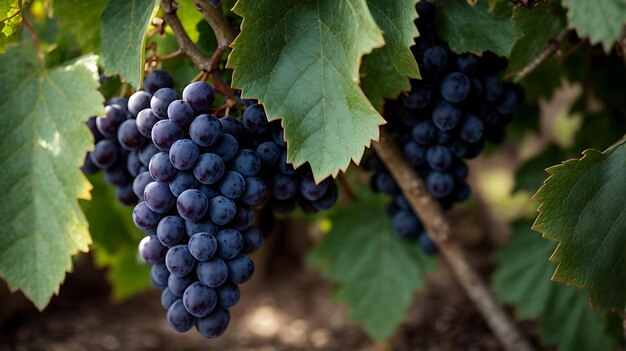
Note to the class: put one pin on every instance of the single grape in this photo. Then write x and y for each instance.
(88, 166)
(240, 269)
(180, 112)
(402, 202)
(205, 226)
(104, 154)
(209, 169)
(144, 217)
(183, 181)
(435, 58)
(138, 101)
(213, 272)
(158, 197)
(133, 164)
(179, 261)
(214, 324)
(146, 153)
(247, 163)
(254, 120)
(232, 185)
(117, 175)
(243, 218)
(472, 129)
(178, 318)
(226, 147)
(311, 191)
(269, 153)
(252, 240)
(165, 133)
(460, 171)
(140, 182)
(171, 230)
(151, 249)
(328, 200)
(107, 125)
(159, 275)
(285, 168)
(427, 245)
(192, 204)
(128, 135)
(126, 195)
(254, 191)
(467, 63)
(161, 100)
(177, 285)
(161, 169)
(199, 299)
(227, 295)
(222, 210)
(492, 88)
(455, 87)
(439, 157)
(415, 153)
(205, 130)
(284, 186)
(446, 116)
(200, 96)
(508, 102)
(406, 224)
(202, 246)
(145, 122)
(424, 132)
(210, 191)
(121, 103)
(229, 243)
(417, 99)
(385, 183)
(183, 154)
(440, 184)
(168, 298)
(232, 126)
(156, 80)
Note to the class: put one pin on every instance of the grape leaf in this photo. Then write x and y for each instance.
(538, 25)
(582, 208)
(301, 60)
(43, 140)
(189, 17)
(531, 174)
(10, 19)
(115, 240)
(375, 271)
(82, 18)
(124, 25)
(395, 19)
(475, 28)
(380, 80)
(602, 23)
(523, 280)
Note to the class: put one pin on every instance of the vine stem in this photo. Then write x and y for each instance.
(431, 215)
(552, 48)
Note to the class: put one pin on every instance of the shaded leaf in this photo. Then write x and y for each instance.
(43, 140)
(380, 80)
(301, 60)
(82, 18)
(601, 22)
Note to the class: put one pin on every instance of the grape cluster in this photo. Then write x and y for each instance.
(446, 117)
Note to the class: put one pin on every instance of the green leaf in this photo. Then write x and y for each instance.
(189, 17)
(82, 18)
(602, 23)
(582, 208)
(395, 19)
(380, 80)
(115, 240)
(531, 174)
(43, 140)
(475, 28)
(538, 25)
(301, 60)
(10, 19)
(375, 271)
(124, 28)
(523, 280)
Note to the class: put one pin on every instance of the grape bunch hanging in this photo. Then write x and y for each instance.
(198, 177)
(445, 118)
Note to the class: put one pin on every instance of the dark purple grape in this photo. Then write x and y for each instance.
(439, 157)
(200, 96)
(227, 295)
(446, 116)
(455, 87)
(240, 269)
(460, 171)
(145, 122)
(161, 100)
(311, 191)
(171, 230)
(458, 147)
(406, 224)
(125, 195)
(121, 103)
(183, 181)
(417, 99)
(229, 243)
(492, 88)
(213, 272)
(107, 125)
(232, 185)
(472, 129)
(254, 191)
(284, 186)
(424, 132)
(205, 226)
(508, 102)
(146, 153)
(144, 218)
(140, 182)
(210, 191)
(475, 149)
(279, 136)
(247, 163)
(151, 249)
(226, 147)
(180, 112)
(199, 300)
(128, 135)
(214, 324)
(435, 58)
(202, 246)
(179, 261)
(178, 318)
(243, 218)
(138, 101)
(415, 153)
(159, 275)
(168, 298)
(328, 200)
(183, 154)
(93, 127)
(426, 244)
(252, 240)
(269, 153)
(177, 285)
(156, 80)
(209, 169)
(133, 164)
(222, 210)
(205, 130)
(158, 197)
(385, 183)
(254, 120)
(285, 168)
(232, 126)
(192, 204)
(467, 63)
(161, 169)
(88, 166)
(165, 133)
(440, 184)
(104, 154)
